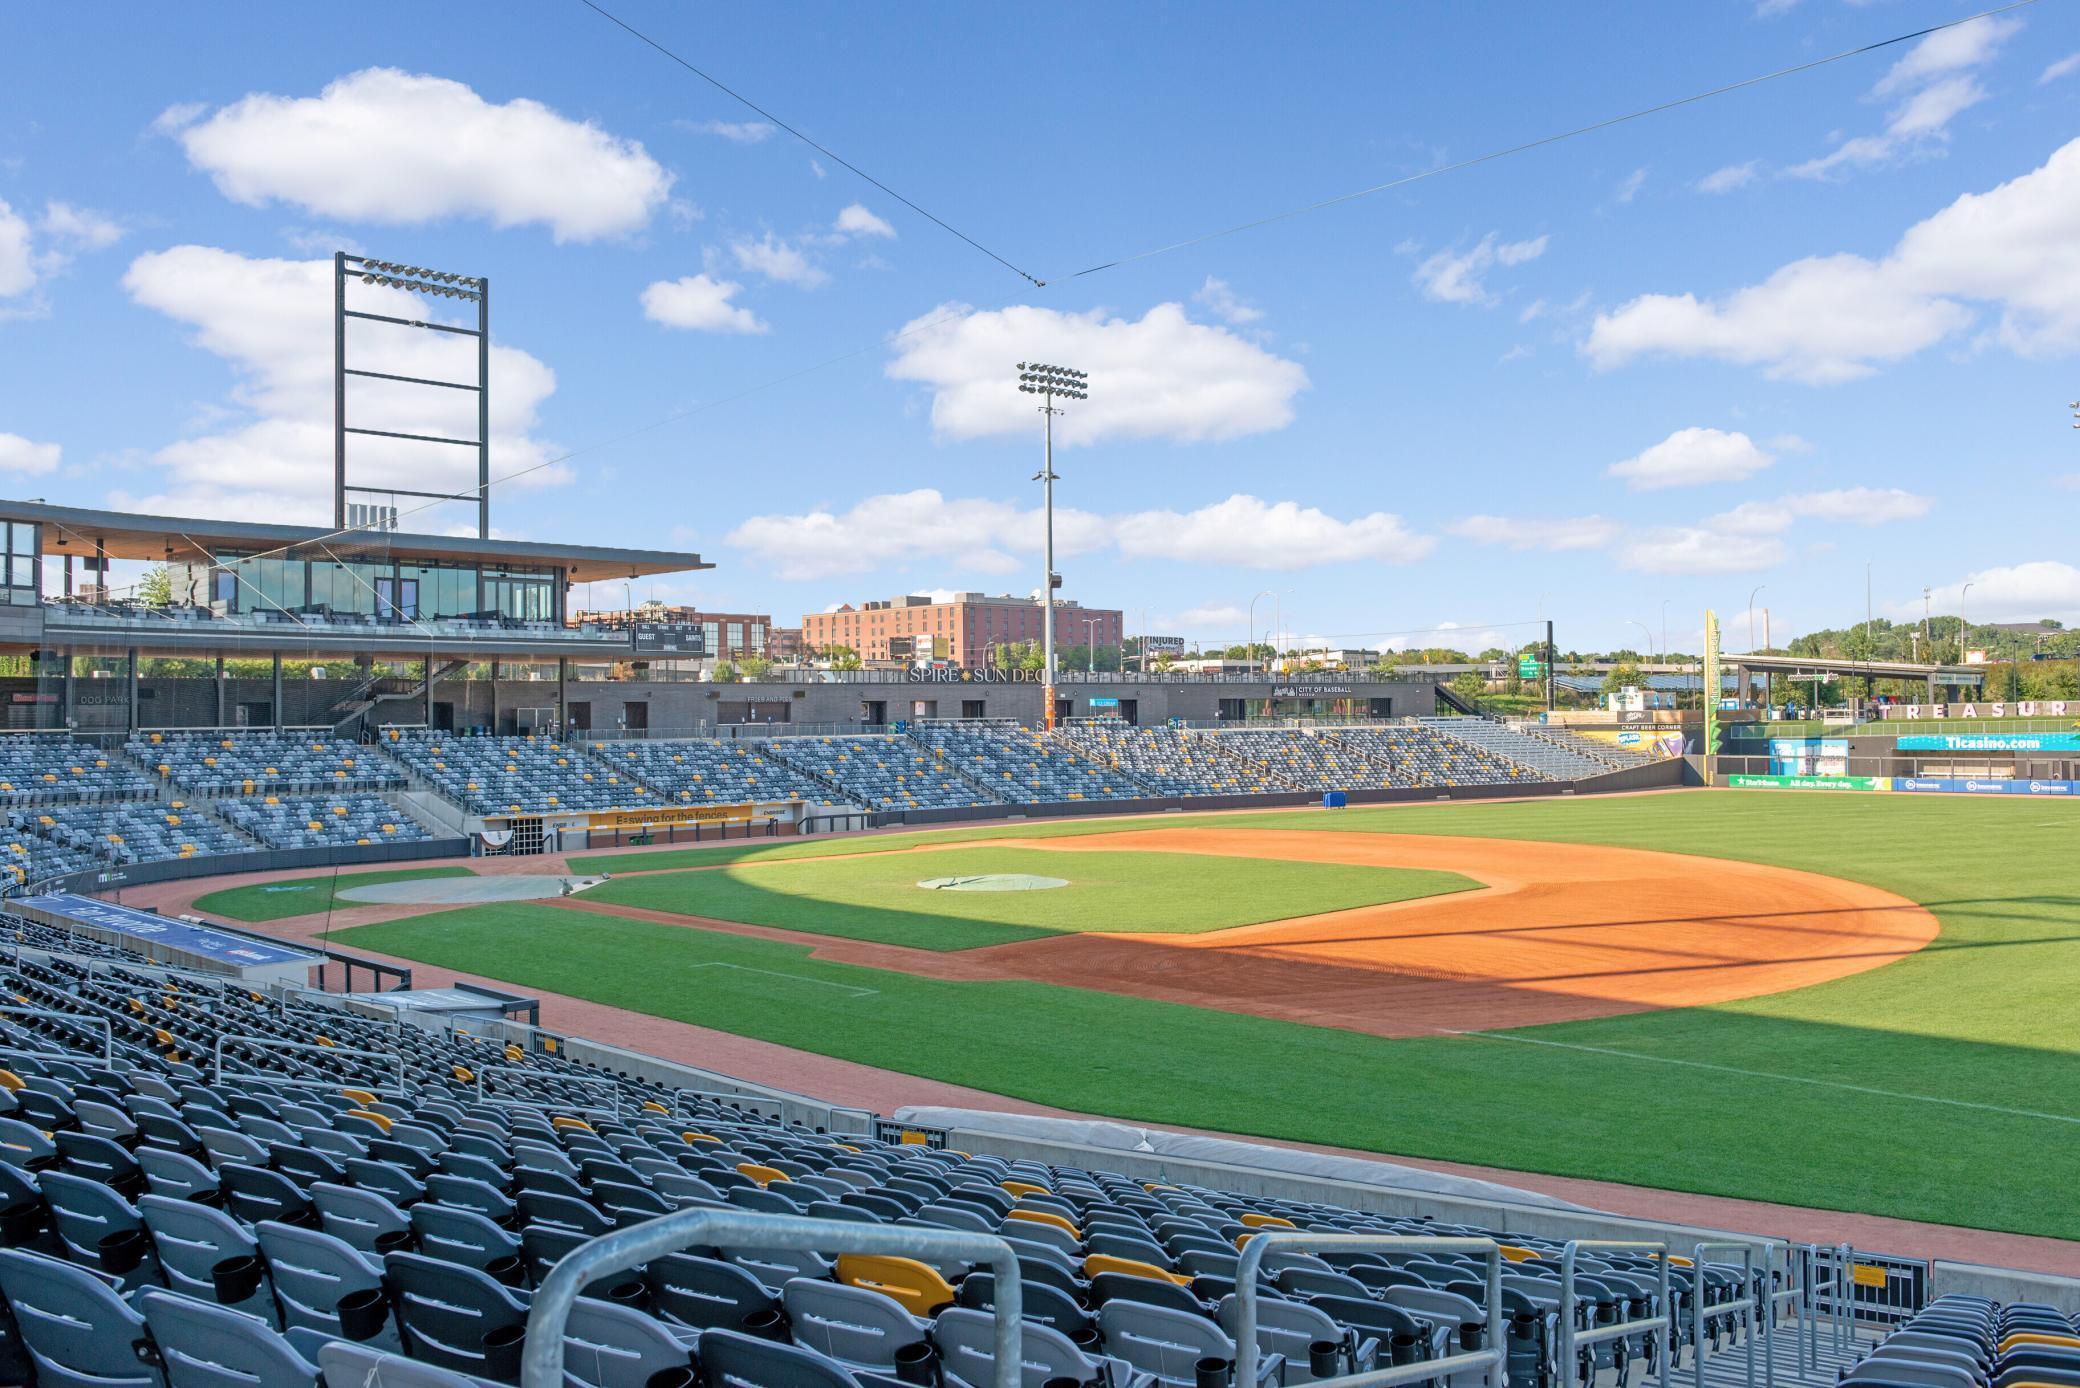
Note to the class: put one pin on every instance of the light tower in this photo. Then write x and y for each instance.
(1047, 382)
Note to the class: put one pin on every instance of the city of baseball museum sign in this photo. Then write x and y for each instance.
(1984, 708)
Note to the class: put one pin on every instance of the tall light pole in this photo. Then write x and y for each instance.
(1047, 382)
(1960, 622)
(1249, 645)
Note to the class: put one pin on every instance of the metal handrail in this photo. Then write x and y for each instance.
(277, 1044)
(541, 1363)
(108, 1033)
(1570, 1341)
(1307, 1241)
(1700, 1313)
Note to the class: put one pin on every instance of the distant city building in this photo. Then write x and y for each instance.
(784, 643)
(730, 635)
(963, 630)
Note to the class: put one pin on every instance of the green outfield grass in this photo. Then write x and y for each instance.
(1942, 1087)
(877, 898)
(304, 896)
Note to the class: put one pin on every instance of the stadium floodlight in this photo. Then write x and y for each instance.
(1049, 383)
(433, 284)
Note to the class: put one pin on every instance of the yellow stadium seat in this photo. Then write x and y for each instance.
(919, 1289)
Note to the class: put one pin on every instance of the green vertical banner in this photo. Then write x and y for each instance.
(1711, 692)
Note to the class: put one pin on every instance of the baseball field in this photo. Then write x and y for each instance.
(1863, 1003)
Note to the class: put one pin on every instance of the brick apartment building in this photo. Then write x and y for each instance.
(730, 635)
(970, 625)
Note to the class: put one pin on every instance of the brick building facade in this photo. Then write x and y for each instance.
(969, 626)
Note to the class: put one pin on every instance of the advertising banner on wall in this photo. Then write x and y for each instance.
(1990, 742)
(1961, 785)
(1742, 782)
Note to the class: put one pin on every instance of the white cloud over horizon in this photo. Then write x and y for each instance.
(1159, 376)
(997, 537)
(2010, 593)
(1833, 318)
(391, 147)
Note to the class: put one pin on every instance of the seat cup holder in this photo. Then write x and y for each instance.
(362, 1314)
(502, 1351)
(121, 1251)
(235, 1279)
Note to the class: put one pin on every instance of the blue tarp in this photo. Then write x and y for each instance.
(236, 950)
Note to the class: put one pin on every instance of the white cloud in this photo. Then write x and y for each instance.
(1732, 176)
(1770, 9)
(1455, 277)
(18, 271)
(1693, 550)
(30, 255)
(997, 537)
(1934, 86)
(1629, 186)
(1268, 535)
(1848, 506)
(701, 303)
(1210, 614)
(2071, 482)
(1221, 301)
(776, 260)
(1691, 457)
(398, 148)
(894, 528)
(2012, 593)
(1835, 318)
(80, 227)
(856, 220)
(2064, 67)
(269, 456)
(22, 457)
(1946, 51)
(1537, 532)
(1161, 376)
(743, 132)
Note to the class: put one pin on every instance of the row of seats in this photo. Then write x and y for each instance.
(1549, 760)
(354, 1195)
(1022, 767)
(884, 771)
(529, 775)
(1959, 1341)
(293, 821)
(698, 771)
(248, 763)
(55, 768)
(134, 831)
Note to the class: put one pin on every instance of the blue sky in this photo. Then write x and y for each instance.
(1761, 340)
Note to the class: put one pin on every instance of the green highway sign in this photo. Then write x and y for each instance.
(1530, 668)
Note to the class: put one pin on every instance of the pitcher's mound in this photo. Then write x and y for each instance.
(467, 891)
(993, 882)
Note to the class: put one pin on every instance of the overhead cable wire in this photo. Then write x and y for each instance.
(1542, 141)
(822, 149)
